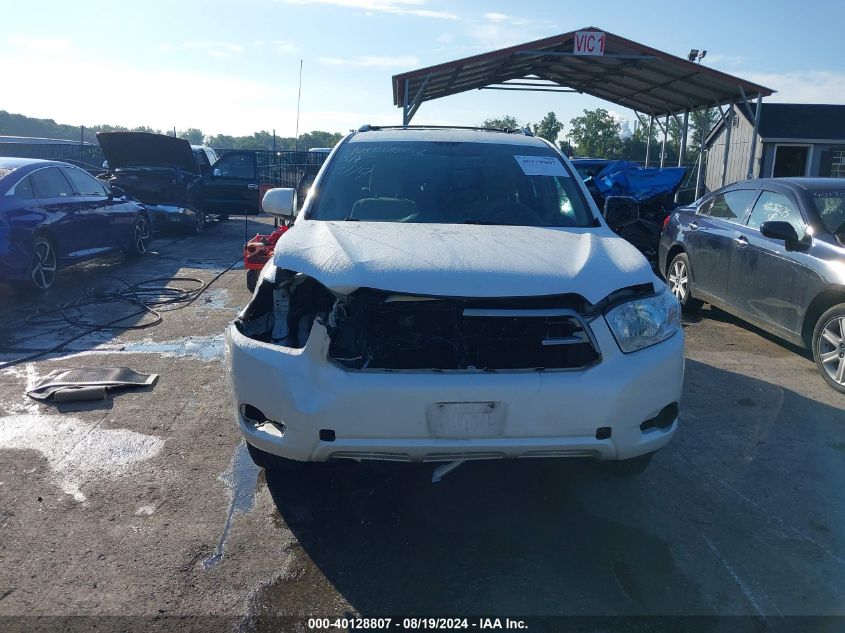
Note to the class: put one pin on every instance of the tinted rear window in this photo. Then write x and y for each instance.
(450, 183)
(831, 209)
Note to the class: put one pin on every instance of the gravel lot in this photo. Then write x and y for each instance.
(146, 504)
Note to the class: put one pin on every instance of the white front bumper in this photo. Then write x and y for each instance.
(387, 415)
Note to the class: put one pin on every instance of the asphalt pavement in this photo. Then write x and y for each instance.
(146, 505)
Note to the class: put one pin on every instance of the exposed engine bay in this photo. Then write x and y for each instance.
(379, 330)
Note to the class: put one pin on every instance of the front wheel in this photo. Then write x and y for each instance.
(678, 277)
(42, 269)
(199, 222)
(829, 346)
(141, 237)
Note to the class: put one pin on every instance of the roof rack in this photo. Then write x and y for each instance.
(372, 128)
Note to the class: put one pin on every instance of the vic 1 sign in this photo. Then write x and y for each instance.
(589, 43)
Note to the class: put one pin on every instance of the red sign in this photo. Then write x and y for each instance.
(589, 43)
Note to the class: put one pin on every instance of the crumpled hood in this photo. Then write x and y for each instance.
(124, 149)
(456, 260)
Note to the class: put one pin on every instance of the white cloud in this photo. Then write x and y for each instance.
(396, 7)
(373, 61)
(280, 46)
(445, 38)
(806, 86)
(497, 17)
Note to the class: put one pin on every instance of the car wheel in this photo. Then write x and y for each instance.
(829, 346)
(141, 237)
(630, 467)
(271, 462)
(199, 222)
(678, 277)
(42, 270)
(252, 279)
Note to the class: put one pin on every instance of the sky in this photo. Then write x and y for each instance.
(232, 67)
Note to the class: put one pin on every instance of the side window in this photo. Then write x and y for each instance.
(729, 206)
(236, 166)
(704, 207)
(84, 184)
(773, 206)
(24, 189)
(50, 183)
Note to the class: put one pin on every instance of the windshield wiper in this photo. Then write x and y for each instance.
(489, 223)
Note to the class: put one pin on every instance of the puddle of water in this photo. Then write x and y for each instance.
(205, 348)
(215, 299)
(241, 479)
(77, 452)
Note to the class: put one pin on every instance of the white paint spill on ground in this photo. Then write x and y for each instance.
(77, 452)
(30, 377)
(241, 479)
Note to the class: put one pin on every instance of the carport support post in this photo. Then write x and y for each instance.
(663, 145)
(700, 174)
(405, 109)
(648, 140)
(754, 137)
(729, 124)
(682, 150)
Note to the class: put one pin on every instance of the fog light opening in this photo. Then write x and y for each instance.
(256, 417)
(327, 435)
(662, 420)
(603, 433)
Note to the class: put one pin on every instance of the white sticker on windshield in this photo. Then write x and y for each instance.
(541, 166)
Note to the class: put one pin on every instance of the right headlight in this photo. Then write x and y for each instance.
(644, 322)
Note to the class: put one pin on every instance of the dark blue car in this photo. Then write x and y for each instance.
(772, 252)
(53, 215)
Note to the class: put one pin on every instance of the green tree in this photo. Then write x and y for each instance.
(505, 122)
(596, 133)
(548, 128)
(193, 135)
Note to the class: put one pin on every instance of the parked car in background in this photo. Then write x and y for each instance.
(53, 215)
(180, 184)
(453, 294)
(772, 252)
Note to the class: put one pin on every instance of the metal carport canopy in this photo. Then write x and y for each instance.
(628, 74)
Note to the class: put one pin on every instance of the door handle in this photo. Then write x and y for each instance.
(692, 226)
(252, 186)
(741, 240)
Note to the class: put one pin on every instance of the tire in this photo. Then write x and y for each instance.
(42, 269)
(199, 222)
(270, 462)
(829, 346)
(252, 279)
(141, 237)
(630, 467)
(677, 276)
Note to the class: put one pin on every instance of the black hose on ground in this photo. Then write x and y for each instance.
(151, 298)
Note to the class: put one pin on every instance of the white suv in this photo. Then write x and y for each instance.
(454, 294)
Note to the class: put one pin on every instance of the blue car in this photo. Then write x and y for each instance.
(54, 215)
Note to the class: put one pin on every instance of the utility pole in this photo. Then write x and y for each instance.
(298, 100)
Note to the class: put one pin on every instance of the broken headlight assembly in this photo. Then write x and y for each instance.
(644, 322)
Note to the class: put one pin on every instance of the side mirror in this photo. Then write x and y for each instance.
(216, 173)
(280, 203)
(620, 211)
(117, 192)
(778, 230)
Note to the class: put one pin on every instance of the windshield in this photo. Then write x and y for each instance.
(450, 183)
(831, 209)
